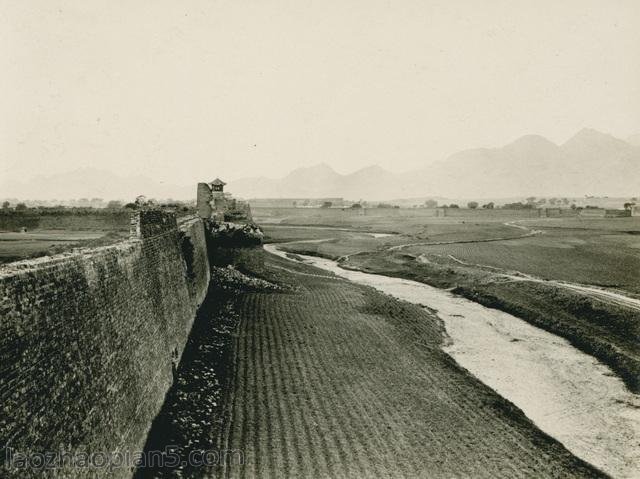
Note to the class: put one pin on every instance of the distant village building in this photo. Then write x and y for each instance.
(296, 202)
(213, 203)
(604, 213)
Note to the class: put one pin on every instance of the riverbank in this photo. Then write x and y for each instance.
(595, 320)
(562, 390)
(606, 330)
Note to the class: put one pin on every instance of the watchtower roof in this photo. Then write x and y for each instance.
(218, 182)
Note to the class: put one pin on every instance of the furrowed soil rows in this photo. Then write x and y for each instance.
(333, 379)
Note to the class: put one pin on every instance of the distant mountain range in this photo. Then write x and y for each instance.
(589, 163)
(634, 139)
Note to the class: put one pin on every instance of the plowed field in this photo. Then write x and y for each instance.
(333, 379)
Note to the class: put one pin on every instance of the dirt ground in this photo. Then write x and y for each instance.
(332, 379)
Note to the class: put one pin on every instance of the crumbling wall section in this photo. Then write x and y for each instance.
(193, 244)
(203, 200)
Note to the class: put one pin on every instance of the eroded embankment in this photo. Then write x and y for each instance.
(605, 329)
(333, 379)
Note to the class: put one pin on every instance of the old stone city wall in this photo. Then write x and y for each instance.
(88, 340)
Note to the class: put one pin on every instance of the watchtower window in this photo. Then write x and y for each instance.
(217, 185)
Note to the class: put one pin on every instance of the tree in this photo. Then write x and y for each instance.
(517, 206)
(326, 204)
(431, 204)
(472, 205)
(21, 207)
(114, 205)
(453, 205)
(356, 206)
(531, 199)
(141, 201)
(628, 206)
(488, 206)
(6, 205)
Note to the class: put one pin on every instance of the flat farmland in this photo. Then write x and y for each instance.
(351, 239)
(588, 256)
(327, 242)
(600, 252)
(333, 379)
(409, 222)
(34, 233)
(594, 253)
(17, 246)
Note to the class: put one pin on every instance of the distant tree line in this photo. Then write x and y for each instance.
(110, 207)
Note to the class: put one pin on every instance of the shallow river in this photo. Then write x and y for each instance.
(566, 393)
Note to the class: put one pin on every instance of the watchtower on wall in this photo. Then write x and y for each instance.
(217, 186)
(219, 198)
(212, 201)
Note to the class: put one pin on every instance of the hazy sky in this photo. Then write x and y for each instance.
(184, 90)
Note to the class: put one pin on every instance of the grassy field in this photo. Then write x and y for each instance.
(421, 227)
(332, 379)
(350, 240)
(34, 233)
(597, 257)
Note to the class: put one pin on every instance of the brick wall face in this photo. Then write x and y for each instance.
(193, 238)
(87, 341)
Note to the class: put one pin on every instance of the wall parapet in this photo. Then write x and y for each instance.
(149, 223)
